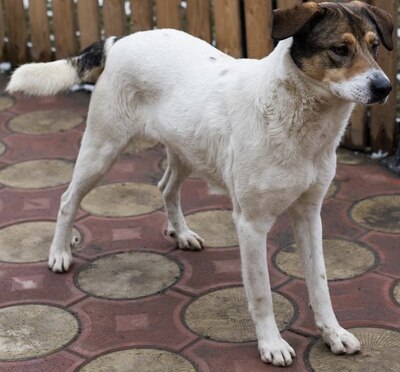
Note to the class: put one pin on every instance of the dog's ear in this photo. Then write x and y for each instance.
(288, 22)
(383, 22)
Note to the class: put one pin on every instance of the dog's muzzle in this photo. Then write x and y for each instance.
(380, 88)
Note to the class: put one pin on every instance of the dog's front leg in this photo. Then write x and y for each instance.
(306, 219)
(252, 239)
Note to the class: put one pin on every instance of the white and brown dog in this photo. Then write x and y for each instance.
(263, 131)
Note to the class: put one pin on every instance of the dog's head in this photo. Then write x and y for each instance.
(337, 45)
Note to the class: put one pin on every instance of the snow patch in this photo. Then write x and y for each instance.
(80, 87)
(379, 155)
(5, 66)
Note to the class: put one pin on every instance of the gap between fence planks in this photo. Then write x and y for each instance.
(88, 22)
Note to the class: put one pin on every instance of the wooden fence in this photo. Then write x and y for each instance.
(42, 30)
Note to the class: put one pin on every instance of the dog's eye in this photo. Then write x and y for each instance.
(374, 48)
(340, 50)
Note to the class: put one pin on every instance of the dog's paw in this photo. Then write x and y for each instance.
(277, 352)
(60, 261)
(187, 239)
(341, 341)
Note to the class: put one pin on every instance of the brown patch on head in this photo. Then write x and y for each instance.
(337, 45)
(349, 38)
(371, 38)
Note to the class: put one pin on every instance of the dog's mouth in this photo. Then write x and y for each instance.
(377, 101)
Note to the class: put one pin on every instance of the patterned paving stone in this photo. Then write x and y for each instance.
(5, 103)
(223, 315)
(30, 331)
(2, 148)
(215, 227)
(143, 360)
(139, 144)
(379, 352)
(332, 190)
(128, 275)
(27, 242)
(40, 122)
(396, 293)
(122, 200)
(347, 157)
(381, 213)
(344, 259)
(37, 174)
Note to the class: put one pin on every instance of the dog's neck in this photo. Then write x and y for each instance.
(300, 108)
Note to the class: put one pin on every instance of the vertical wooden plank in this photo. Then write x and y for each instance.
(40, 35)
(1, 32)
(114, 18)
(199, 19)
(88, 22)
(228, 27)
(16, 31)
(258, 16)
(288, 3)
(64, 29)
(356, 136)
(168, 14)
(141, 15)
(383, 117)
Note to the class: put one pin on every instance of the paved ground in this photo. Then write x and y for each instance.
(133, 302)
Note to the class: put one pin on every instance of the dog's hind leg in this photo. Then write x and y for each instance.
(101, 144)
(170, 186)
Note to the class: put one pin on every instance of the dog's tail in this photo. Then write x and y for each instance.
(46, 79)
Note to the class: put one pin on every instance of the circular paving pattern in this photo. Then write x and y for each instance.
(223, 315)
(122, 200)
(41, 122)
(31, 331)
(379, 352)
(137, 145)
(37, 174)
(128, 275)
(343, 259)
(143, 360)
(215, 227)
(27, 242)
(331, 191)
(5, 103)
(346, 157)
(381, 213)
(396, 293)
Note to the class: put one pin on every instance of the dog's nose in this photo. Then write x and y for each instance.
(380, 87)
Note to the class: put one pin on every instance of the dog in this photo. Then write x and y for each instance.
(262, 131)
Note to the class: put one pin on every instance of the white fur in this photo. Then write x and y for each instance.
(257, 129)
(358, 89)
(43, 78)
